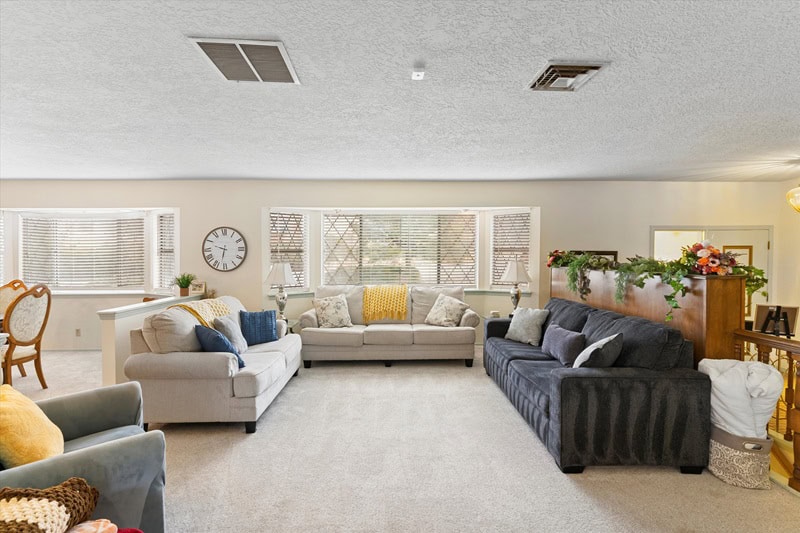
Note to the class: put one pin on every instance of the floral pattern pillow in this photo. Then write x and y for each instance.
(332, 312)
(446, 311)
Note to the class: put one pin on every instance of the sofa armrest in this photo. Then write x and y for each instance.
(470, 319)
(495, 327)
(308, 319)
(92, 411)
(181, 365)
(629, 416)
(129, 473)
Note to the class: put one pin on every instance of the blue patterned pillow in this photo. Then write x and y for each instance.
(259, 327)
(213, 341)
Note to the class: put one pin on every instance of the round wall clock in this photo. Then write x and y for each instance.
(224, 249)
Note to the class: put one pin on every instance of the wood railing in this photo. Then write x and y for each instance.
(765, 344)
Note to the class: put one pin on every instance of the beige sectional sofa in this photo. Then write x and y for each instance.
(389, 340)
(181, 383)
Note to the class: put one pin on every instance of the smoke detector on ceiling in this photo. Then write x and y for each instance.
(566, 75)
(238, 60)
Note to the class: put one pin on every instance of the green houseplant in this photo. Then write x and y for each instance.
(184, 281)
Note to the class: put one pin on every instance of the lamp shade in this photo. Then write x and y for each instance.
(793, 197)
(516, 272)
(281, 274)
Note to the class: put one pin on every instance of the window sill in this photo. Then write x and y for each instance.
(106, 292)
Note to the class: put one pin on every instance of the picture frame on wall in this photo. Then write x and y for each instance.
(744, 256)
(197, 288)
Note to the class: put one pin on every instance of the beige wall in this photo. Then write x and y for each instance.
(574, 215)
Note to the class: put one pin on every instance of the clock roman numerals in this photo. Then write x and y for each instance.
(224, 249)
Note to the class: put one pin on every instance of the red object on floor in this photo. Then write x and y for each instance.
(129, 530)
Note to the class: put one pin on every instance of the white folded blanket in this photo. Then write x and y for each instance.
(743, 395)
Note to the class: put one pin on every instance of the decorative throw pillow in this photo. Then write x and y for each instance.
(332, 312)
(228, 326)
(26, 434)
(446, 311)
(601, 354)
(213, 341)
(258, 327)
(563, 344)
(54, 509)
(526, 325)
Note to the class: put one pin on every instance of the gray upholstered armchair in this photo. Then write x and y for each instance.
(105, 444)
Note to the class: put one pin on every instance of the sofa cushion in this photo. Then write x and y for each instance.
(389, 334)
(532, 380)
(423, 298)
(567, 314)
(229, 326)
(646, 344)
(213, 341)
(446, 311)
(171, 330)
(563, 344)
(262, 369)
(258, 327)
(352, 336)
(427, 334)
(600, 354)
(100, 437)
(503, 351)
(332, 312)
(526, 325)
(26, 434)
(354, 294)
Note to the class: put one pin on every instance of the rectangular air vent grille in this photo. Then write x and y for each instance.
(564, 76)
(237, 60)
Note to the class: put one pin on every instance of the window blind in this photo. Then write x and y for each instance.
(288, 243)
(165, 250)
(511, 234)
(83, 252)
(372, 248)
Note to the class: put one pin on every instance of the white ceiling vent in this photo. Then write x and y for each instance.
(239, 60)
(565, 75)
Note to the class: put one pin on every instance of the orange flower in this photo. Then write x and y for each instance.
(702, 261)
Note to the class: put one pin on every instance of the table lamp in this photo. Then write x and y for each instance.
(516, 273)
(281, 274)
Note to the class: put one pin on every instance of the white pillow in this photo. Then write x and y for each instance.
(332, 312)
(526, 325)
(229, 326)
(446, 311)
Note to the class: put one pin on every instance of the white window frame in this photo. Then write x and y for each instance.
(527, 257)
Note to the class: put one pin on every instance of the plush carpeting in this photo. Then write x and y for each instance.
(420, 446)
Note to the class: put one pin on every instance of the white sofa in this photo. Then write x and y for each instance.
(388, 340)
(181, 383)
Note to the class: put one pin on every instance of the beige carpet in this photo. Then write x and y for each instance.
(428, 446)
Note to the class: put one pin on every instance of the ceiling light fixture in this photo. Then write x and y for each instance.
(418, 73)
(793, 197)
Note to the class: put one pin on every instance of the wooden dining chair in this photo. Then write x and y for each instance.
(9, 293)
(24, 321)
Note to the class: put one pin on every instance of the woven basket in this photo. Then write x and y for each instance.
(739, 461)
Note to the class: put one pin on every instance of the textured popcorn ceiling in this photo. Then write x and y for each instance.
(706, 90)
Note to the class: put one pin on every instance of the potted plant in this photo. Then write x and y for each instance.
(184, 281)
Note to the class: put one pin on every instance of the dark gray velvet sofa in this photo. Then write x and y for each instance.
(650, 408)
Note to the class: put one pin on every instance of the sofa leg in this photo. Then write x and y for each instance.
(295, 373)
(576, 469)
(307, 364)
(249, 427)
(387, 364)
(144, 426)
(692, 469)
(468, 362)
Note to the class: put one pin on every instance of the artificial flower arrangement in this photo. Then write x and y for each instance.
(700, 258)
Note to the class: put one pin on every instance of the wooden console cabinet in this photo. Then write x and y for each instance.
(710, 311)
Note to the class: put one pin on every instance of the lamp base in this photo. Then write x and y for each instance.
(280, 301)
(516, 294)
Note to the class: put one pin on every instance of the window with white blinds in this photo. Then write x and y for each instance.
(3, 277)
(165, 251)
(511, 237)
(288, 243)
(375, 248)
(84, 252)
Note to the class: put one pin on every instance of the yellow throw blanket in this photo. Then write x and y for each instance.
(205, 311)
(385, 301)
